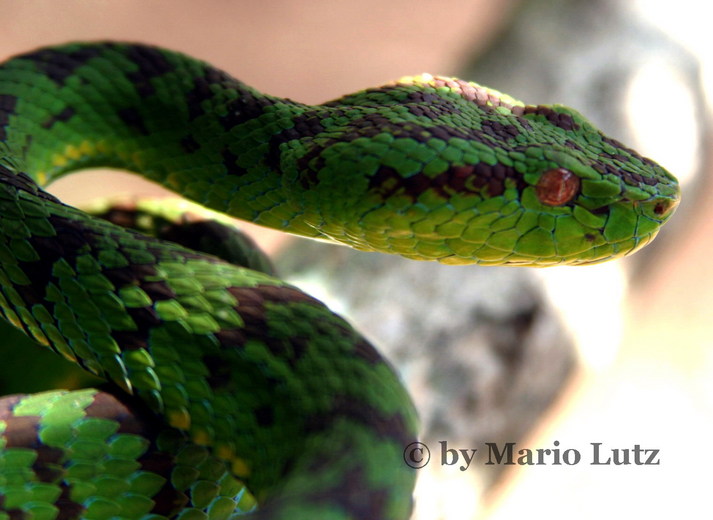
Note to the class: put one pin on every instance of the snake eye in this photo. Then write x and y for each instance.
(557, 187)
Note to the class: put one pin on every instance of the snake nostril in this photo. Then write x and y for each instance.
(664, 207)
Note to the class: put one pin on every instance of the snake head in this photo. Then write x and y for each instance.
(436, 168)
(606, 200)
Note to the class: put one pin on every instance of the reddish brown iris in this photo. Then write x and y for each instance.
(557, 187)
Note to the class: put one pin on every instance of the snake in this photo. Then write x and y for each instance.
(226, 391)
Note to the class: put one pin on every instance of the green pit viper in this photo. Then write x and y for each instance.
(219, 375)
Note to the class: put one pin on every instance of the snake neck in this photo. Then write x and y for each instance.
(172, 119)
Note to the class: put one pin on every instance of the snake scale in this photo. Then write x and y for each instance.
(218, 375)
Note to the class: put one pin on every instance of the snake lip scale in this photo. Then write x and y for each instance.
(221, 376)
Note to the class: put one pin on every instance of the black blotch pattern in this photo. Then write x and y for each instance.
(151, 62)
(265, 416)
(133, 119)
(145, 318)
(630, 178)
(65, 115)
(59, 64)
(305, 127)
(7, 108)
(189, 144)
(219, 372)
(230, 161)
(499, 130)
(480, 179)
(390, 427)
(243, 109)
(558, 119)
(252, 308)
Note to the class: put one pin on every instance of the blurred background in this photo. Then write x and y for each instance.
(618, 354)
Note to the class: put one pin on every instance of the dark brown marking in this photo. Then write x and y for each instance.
(23, 182)
(366, 351)
(231, 337)
(305, 127)
(169, 501)
(7, 404)
(247, 106)
(65, 115)
(628, 177)
(125, 217)
(243, 109)
(557, 187)
(68, 509)
(571, 144)
(220, 373)
(252, 306)
(354, 492)
(133, 418)
(265, 416)
(499, 130)
(213, 238)
(152, 63)
(428, 111)
(230, 161)
(107, 406)
(13, 514)
(429, 104)
(158, 291)
(132, 118)
(387, 426)
(67, 240)
(559, 119)
(189, 144)
(275, 294)
(197, 95)
(60, 64)
(130, 340)
(47, 463)
(480, 179)
(21, 431)
(391, 428)
(7, 109)
(373, 124)
(131, 274)
(613, 142)
(145, 318)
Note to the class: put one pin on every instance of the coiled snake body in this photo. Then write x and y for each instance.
(229, 374)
